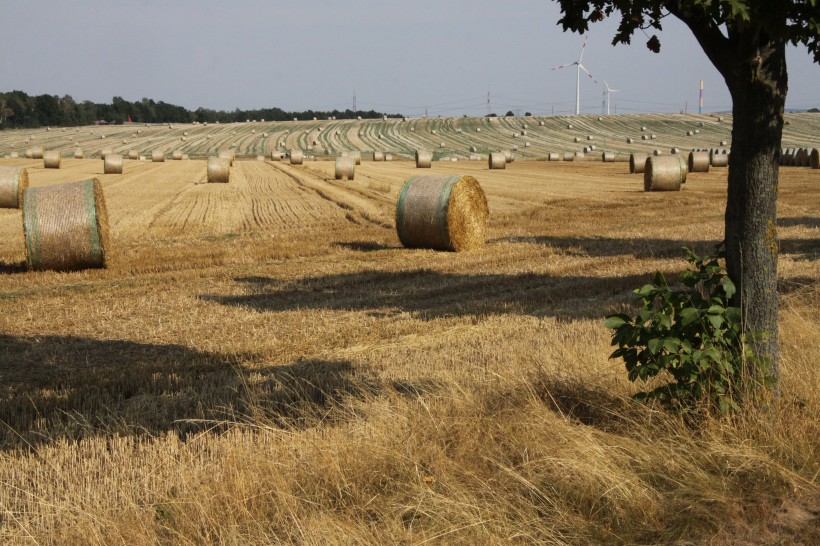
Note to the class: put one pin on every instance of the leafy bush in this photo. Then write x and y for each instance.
(693, 334)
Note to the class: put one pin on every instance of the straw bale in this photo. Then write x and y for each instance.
(112, 164)
(509, 157)
(637, 163)
(674, 151)
(424, 159)
(378, 156)
(577, 140)
(569, 156)
(37, 152)
(13, 182)
(663, 173)
(644, 137)
(442, 212)
(66, 226)
(345, 168)
(52, 159)
(590, 137)
(157, 156)
(569, 125)
(699, 162)
(656, 152)
(717, 159)
(724, 142)
(133, 154)
(227, 154)
(497, 160)
(219, 170)
(629, 141)
(388, 157)
(553, 156)
(296, 157)
(608, 157)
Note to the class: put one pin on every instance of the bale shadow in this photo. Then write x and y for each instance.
(799, 221)
(608, 247)
(429, 295)
(12, 268)
(75, 387)
(365, 246)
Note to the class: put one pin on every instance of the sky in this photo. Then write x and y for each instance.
(442, 57)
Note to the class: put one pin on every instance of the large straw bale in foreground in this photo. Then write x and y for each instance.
(66, 226)
(219, 170)
(699, 162)
(345, 168)
(13, 182)
(663, 173)
(442, 212)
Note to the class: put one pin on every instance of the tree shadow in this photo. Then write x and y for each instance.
(429, 295)
(799, 221)
(75, 387)
(640, 248)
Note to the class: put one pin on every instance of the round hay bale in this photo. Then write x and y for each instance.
(684, 165)
(478, 129)
(157, 156)
(378, 156)
(424, 159)
(629, 141)
(663, 173)
(580, 156)
(357, 156)
(553, 156)
(674, 151)
(434, 132)
(509, 157)
(814, 158)
(112, 164)
(643, 128)
(590, 137)
(689, 133)
(569, 125)
(497, 160)
(644, 137)
(28, 153)
(14, 155)
(442, 212)
(78, 153)
(52, 159)
(441, 145)
(219, 170)
(388, 157)
(106, 151)
(66, 226)
(576, 140)
(473, 149)
(515, 148)
(176, 155)
(526, 144)
(717, 159)
(133, 154)
(637, 163)
(608, 157)
(592, 147)
(697, 131)
(37, 152)
(720, 118)
(724, 142)
(587, 149)
(345, 168)
(541, 124)
(653, 136)
(569, 156)
(699, 162)
(296, 157)
(13, 182)
(656, 152)
(227, 154)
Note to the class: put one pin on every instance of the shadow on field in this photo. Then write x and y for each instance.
(10, 268)
(605, 246)
(74, 387)
(365, 246)
(429, 294)
(799, 221)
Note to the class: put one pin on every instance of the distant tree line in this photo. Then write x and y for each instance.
(20, 110)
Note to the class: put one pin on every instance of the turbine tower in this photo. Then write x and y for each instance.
(607, 91)
(580, 67)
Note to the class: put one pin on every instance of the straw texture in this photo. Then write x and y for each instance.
(13, 182)
(637, 163)
(663, 173)
(296, 157)
(219, 170)
(717, 159)
(66, 226)
(157, 156)
(442, 212)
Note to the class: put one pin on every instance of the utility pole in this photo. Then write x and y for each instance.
(354, 101)
(489, 110)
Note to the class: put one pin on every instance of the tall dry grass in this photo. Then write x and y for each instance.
(239, 377)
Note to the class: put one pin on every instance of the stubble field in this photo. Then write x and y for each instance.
(262, 361)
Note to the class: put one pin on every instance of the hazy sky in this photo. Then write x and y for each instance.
(399, 56)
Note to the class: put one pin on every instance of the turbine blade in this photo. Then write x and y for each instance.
(560, 66)
(582, 67)
(581, 58)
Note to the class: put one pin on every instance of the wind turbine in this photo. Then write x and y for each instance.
(578, 77)
(607, 91)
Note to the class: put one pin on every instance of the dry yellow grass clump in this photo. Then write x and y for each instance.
(263, 362)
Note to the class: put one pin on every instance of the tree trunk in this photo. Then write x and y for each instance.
(758, 87)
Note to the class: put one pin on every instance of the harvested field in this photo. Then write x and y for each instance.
(262, 361)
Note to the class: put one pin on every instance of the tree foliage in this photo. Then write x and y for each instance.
(20, 110)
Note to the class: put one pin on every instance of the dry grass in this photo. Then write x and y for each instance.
(263, 362)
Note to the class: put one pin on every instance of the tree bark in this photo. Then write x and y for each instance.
(758, 86)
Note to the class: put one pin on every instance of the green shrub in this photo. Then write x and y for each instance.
(693, 334)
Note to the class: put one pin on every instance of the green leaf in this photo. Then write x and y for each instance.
(688, 315)
(671, 344)
(645, 290)
(716, 310)
(715, 320)
(655, 345)
(728, 287)
(616, 321)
